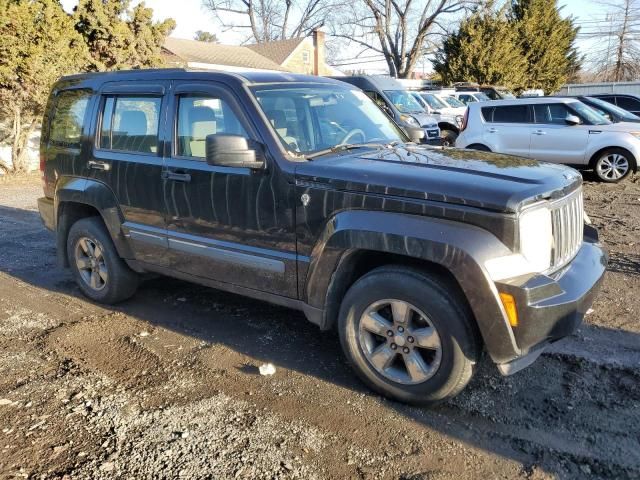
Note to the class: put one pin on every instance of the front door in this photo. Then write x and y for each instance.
(228, 224)
(553, 140)
(127, 156)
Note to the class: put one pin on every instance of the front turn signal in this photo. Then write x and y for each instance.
(509, 304)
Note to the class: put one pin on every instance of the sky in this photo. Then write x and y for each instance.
(190, 17)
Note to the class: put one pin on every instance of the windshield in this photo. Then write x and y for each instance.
(589, 114)
(404, 101)
(601, 105)
(481, 96)
(433, 101)
(313, 118)
(454, 102)
(506, 94)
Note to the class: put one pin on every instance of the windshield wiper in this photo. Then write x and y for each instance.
(350, 146)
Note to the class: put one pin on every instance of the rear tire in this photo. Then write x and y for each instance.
(96, 266)
(408, 336)
(613, 164)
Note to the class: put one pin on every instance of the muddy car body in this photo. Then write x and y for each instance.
(421, 258)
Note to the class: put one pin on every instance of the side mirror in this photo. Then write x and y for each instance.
(231, 151)
(572, 120)
(416, 135)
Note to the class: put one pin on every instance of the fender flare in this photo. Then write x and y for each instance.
(459, 248)
(100, 197)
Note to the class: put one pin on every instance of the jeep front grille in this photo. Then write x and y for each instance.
(567, 225)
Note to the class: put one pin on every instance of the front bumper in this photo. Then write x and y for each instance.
(551, 307)
(45, 206)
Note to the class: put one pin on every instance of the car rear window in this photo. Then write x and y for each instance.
(130, 124)
(506, 114)
(68, 118)
(511, 114)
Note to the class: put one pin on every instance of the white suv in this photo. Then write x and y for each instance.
(559, 130)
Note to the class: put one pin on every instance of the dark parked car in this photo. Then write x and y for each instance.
(626, 101)
(300, 191)
(609, 110)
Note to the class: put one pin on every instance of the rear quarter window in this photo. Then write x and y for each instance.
(65, 127)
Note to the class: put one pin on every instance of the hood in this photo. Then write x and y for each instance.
(467, 177)
(424, 119)
(453, 111)
(616, 127)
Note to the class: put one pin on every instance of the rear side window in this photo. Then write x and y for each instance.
(130, 124)
(628, 103)
(68, 118)
(511, 114)
(553, 113)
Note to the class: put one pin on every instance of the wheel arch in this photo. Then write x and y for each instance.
(81, 198)
(449, 126)
(355, 242)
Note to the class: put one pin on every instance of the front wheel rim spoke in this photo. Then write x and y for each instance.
(382, 357)
(374, 322)
(426, 338)
(83, 263)
(401, 311)
(417, 369)
(95, 280)
(102, 273)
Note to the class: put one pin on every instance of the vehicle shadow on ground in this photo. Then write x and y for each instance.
(590, 406)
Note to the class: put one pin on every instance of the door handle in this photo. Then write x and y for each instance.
(539, 132)
(95, 165)
(492, 130)
(176, 176)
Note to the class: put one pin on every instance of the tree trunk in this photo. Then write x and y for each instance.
(17, 136)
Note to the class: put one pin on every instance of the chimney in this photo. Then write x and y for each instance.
(318, 51)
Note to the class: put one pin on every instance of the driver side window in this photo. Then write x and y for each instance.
(552, 114)
(200, 116)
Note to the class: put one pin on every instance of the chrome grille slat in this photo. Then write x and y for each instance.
(567, 220)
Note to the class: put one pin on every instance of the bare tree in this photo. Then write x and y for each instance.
(402, 31)
(616, 56)
(268, 20)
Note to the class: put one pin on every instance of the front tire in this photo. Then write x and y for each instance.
(96, 266)
(448, 138)
(613, 164)
(408, 336)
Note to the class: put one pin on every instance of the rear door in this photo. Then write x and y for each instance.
(553, 140)
(508, 129)
(128, 157)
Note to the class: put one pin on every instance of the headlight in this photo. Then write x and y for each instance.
(409, 120)
(459, 119)
(536, 237)
(635, 134)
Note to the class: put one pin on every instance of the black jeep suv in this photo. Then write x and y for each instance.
(299, 191)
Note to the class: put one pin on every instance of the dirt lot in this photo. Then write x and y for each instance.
(166, 385)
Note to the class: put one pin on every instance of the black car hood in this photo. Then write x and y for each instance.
(468, 177)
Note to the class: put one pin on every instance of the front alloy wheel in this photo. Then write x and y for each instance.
(91, 263)
(400, 342)
(612, 166)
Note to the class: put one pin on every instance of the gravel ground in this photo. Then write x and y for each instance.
(166, 385)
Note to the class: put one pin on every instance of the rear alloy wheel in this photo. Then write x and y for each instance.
(613, 165)
(409, 335)
(91, 263)
(98, 269)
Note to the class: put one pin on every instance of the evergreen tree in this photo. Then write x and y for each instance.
(119, 38)
(485, 50)
(548, 43)
(38, 44)
(203, 36)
